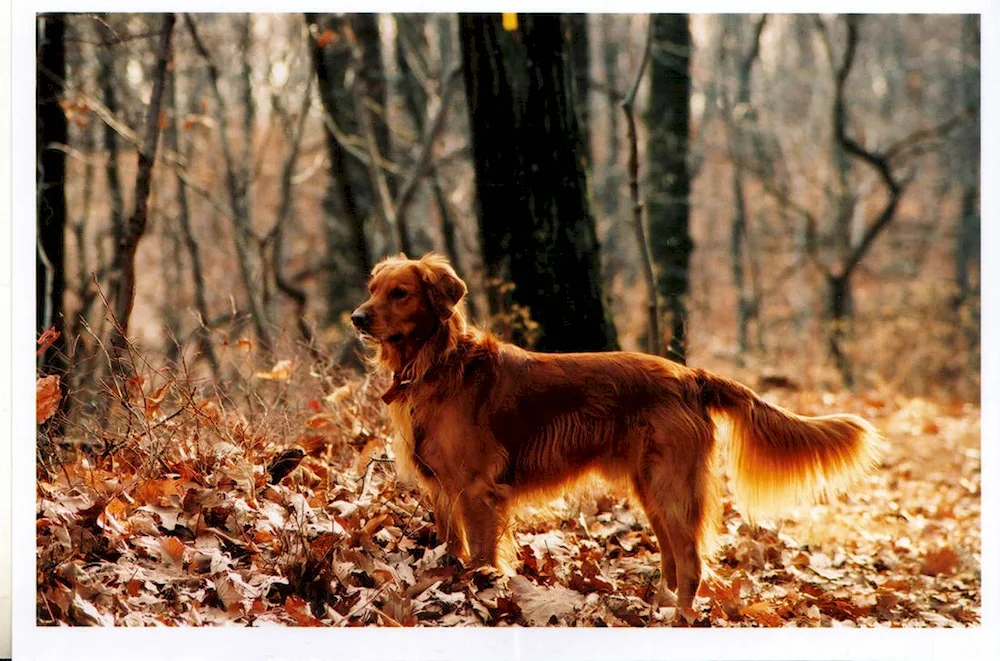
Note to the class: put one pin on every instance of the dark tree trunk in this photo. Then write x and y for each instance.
(136, 225)
(840, 313)
(578, 41)
(350, 199)
(536, 229)
(669, 183)
(609, 193)
(50, 130)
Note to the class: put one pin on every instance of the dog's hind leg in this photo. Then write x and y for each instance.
(668, 567)
(673, 480)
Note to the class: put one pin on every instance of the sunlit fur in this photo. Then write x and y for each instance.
(484, 426)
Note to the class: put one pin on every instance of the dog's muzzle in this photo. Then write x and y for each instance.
(362, 320)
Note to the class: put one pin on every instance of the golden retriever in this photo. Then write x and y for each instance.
(483, 425)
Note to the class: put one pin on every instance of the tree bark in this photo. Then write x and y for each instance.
(106, 79)
(578, 41)
(667, 117)
(536, 229)
(350, 198)
(50, 130)
(136, 225)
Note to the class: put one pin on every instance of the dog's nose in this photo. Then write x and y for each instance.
(361, 319)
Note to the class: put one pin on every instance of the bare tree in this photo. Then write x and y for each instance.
(744, 143)
(136, 224)
(243, 232)
(171, 140)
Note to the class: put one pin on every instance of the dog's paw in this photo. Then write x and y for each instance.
(451, 560)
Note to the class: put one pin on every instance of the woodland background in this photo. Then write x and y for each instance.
(792, 200)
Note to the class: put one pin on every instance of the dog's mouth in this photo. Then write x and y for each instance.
(369, 338)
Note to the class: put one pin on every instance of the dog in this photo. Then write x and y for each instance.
(483, 426)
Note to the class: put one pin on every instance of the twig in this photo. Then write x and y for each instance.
(628, 106)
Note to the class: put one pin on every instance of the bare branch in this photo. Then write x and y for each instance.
(628, 106)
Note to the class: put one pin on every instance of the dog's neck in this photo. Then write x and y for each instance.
(411, 361)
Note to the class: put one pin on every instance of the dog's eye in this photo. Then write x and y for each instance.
(397, 293)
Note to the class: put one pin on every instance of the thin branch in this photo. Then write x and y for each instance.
(876, 160)
(628, 106)
(284, 211)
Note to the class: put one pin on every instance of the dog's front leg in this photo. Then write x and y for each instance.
(447, 521)
(484, 512)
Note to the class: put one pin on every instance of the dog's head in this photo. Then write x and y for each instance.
(410, 300)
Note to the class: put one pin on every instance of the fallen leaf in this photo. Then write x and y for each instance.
(540, 605)
(47, 397)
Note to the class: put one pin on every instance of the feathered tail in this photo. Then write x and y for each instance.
(778, 458)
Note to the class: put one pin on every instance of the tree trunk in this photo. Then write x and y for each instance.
(840, 312)
(411, 44)
(50, 130)
(350, 197)
(668, 117)
(106, 78)
(967, 256)
(578, 42)
(372, 115)
(136, 225)
(172, 141)
(609, 189)
(536, 229)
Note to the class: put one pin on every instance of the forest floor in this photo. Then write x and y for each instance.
(175, 519)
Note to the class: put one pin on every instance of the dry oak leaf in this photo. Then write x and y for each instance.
(539, 605)
(47, 396)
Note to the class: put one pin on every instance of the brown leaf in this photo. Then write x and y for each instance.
(47, 396)
(541, 605)
(299, 611)
(942, 561)
(46, 339)
(173, 549)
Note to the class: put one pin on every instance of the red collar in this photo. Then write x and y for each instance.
(396, 389)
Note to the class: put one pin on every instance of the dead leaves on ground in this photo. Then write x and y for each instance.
(215, 518)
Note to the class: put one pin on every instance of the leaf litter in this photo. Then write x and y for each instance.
(218, 514)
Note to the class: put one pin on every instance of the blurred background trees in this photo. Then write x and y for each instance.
(811, 184)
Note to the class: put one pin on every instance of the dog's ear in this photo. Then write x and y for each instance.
(444, 288)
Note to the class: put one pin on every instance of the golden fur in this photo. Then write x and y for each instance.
(483, 425)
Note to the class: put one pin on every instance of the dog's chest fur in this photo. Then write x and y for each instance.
(403, 444)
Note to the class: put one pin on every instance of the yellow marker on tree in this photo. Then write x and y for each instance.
(510, 22)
